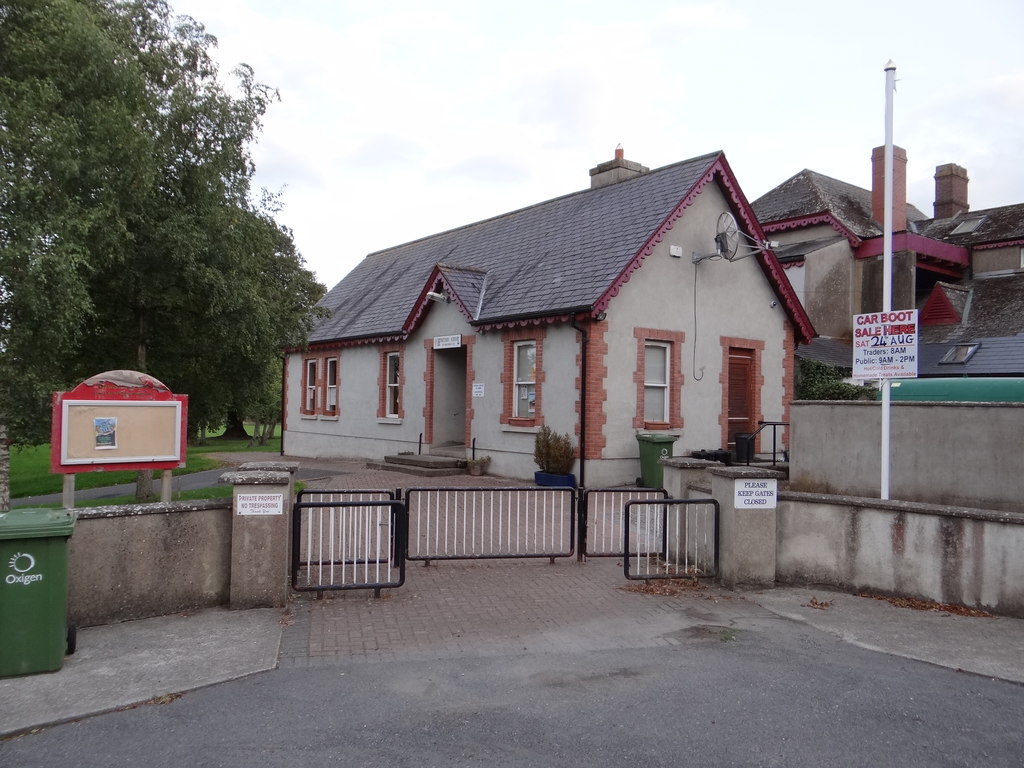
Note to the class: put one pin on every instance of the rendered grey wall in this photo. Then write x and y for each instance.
(956, 454)
(150, 560)
(943, 554)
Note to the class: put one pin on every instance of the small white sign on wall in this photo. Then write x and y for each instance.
(260, 504)
(756, 494)
(448, 342)
(478, 389)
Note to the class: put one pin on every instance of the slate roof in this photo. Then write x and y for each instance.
(809, 193)
(837, 352)
(998, 226)
(994, 307)
(550, 259)
(992, 312)
(996, 356)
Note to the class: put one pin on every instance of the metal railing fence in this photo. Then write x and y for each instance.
(601, 514)
(480, 523)
(670, 539)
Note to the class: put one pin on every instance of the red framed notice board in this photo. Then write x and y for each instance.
(118, 420)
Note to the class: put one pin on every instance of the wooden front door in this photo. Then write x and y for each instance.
(741, 414)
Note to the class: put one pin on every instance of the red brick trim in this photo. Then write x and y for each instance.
(675, 381)
(382, 381)
(509, 338)
(756, 375)
(468, 342)
(428, 388)
(596, 438)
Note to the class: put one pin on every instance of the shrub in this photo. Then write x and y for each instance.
(553, 452)
(821, 381)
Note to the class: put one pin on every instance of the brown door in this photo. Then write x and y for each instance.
(741, 393)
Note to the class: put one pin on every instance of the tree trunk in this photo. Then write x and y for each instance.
(234, 429)
(5, 471)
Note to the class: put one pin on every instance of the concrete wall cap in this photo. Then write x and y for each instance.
(746, 472)
(256, 478)
(154, 508)
(270, 466)
(687, 462)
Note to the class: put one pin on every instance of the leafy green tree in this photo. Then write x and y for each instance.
(128, 236)
(68, 147)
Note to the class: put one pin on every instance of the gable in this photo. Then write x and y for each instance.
(939, 309)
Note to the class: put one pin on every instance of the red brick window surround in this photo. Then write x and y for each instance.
(391, 378)
(522, 377)
(658, 377)
(310, 368)
(331, 367)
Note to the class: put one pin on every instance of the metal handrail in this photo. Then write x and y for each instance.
(753, 435)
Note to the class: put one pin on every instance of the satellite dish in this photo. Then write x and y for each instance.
(727, 236)
(727, 240)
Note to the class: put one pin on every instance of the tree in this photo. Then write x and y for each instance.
(68, 147)
(129, 237)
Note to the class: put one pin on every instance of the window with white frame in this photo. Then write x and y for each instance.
(332, 385)
(310, 400)
(393, 390)
(656, 368)
(525, 378)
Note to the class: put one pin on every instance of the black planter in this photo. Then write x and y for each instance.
(554, 481)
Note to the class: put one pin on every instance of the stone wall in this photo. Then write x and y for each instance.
(133, 562)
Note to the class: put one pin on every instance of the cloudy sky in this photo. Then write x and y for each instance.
(400, 119)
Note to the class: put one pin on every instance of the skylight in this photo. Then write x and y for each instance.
(968, 225)
(959, 354)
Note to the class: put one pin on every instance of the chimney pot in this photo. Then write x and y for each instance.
(614, 171)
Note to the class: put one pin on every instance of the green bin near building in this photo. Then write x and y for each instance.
(653, 448)
(34, 634)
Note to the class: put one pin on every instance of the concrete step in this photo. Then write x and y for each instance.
(408, 469)
(452, 450)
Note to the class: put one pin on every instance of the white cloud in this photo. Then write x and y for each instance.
(404, 119)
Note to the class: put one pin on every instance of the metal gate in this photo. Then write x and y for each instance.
(348, 540)
(670, 539)
(360, 539)
(487, 523)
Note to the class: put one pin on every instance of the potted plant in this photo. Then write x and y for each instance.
(479, 466)
(554, 454)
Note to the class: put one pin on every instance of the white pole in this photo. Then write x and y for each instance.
(890, 89)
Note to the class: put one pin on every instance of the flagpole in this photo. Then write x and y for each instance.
(890, 89)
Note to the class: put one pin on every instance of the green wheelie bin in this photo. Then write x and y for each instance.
(652, 448)
(34, 631)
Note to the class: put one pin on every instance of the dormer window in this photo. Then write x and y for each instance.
(967, 226)
(959, 354)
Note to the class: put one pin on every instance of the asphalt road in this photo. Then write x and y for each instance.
(772, 693)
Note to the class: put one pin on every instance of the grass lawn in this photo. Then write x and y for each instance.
(31, 476)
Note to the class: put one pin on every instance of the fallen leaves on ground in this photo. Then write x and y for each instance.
(929, 605)
(821, 605)
(667, 587)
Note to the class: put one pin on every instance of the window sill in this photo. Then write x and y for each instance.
(389, 420)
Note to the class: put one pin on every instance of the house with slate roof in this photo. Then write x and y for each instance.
(963, 269)
(588, 314)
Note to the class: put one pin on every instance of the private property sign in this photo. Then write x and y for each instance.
(885, 345)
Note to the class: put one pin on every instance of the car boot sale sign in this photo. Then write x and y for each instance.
(885, 345)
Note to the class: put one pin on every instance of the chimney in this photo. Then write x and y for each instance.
(899, 187)
(950, 191)
(615, 170)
